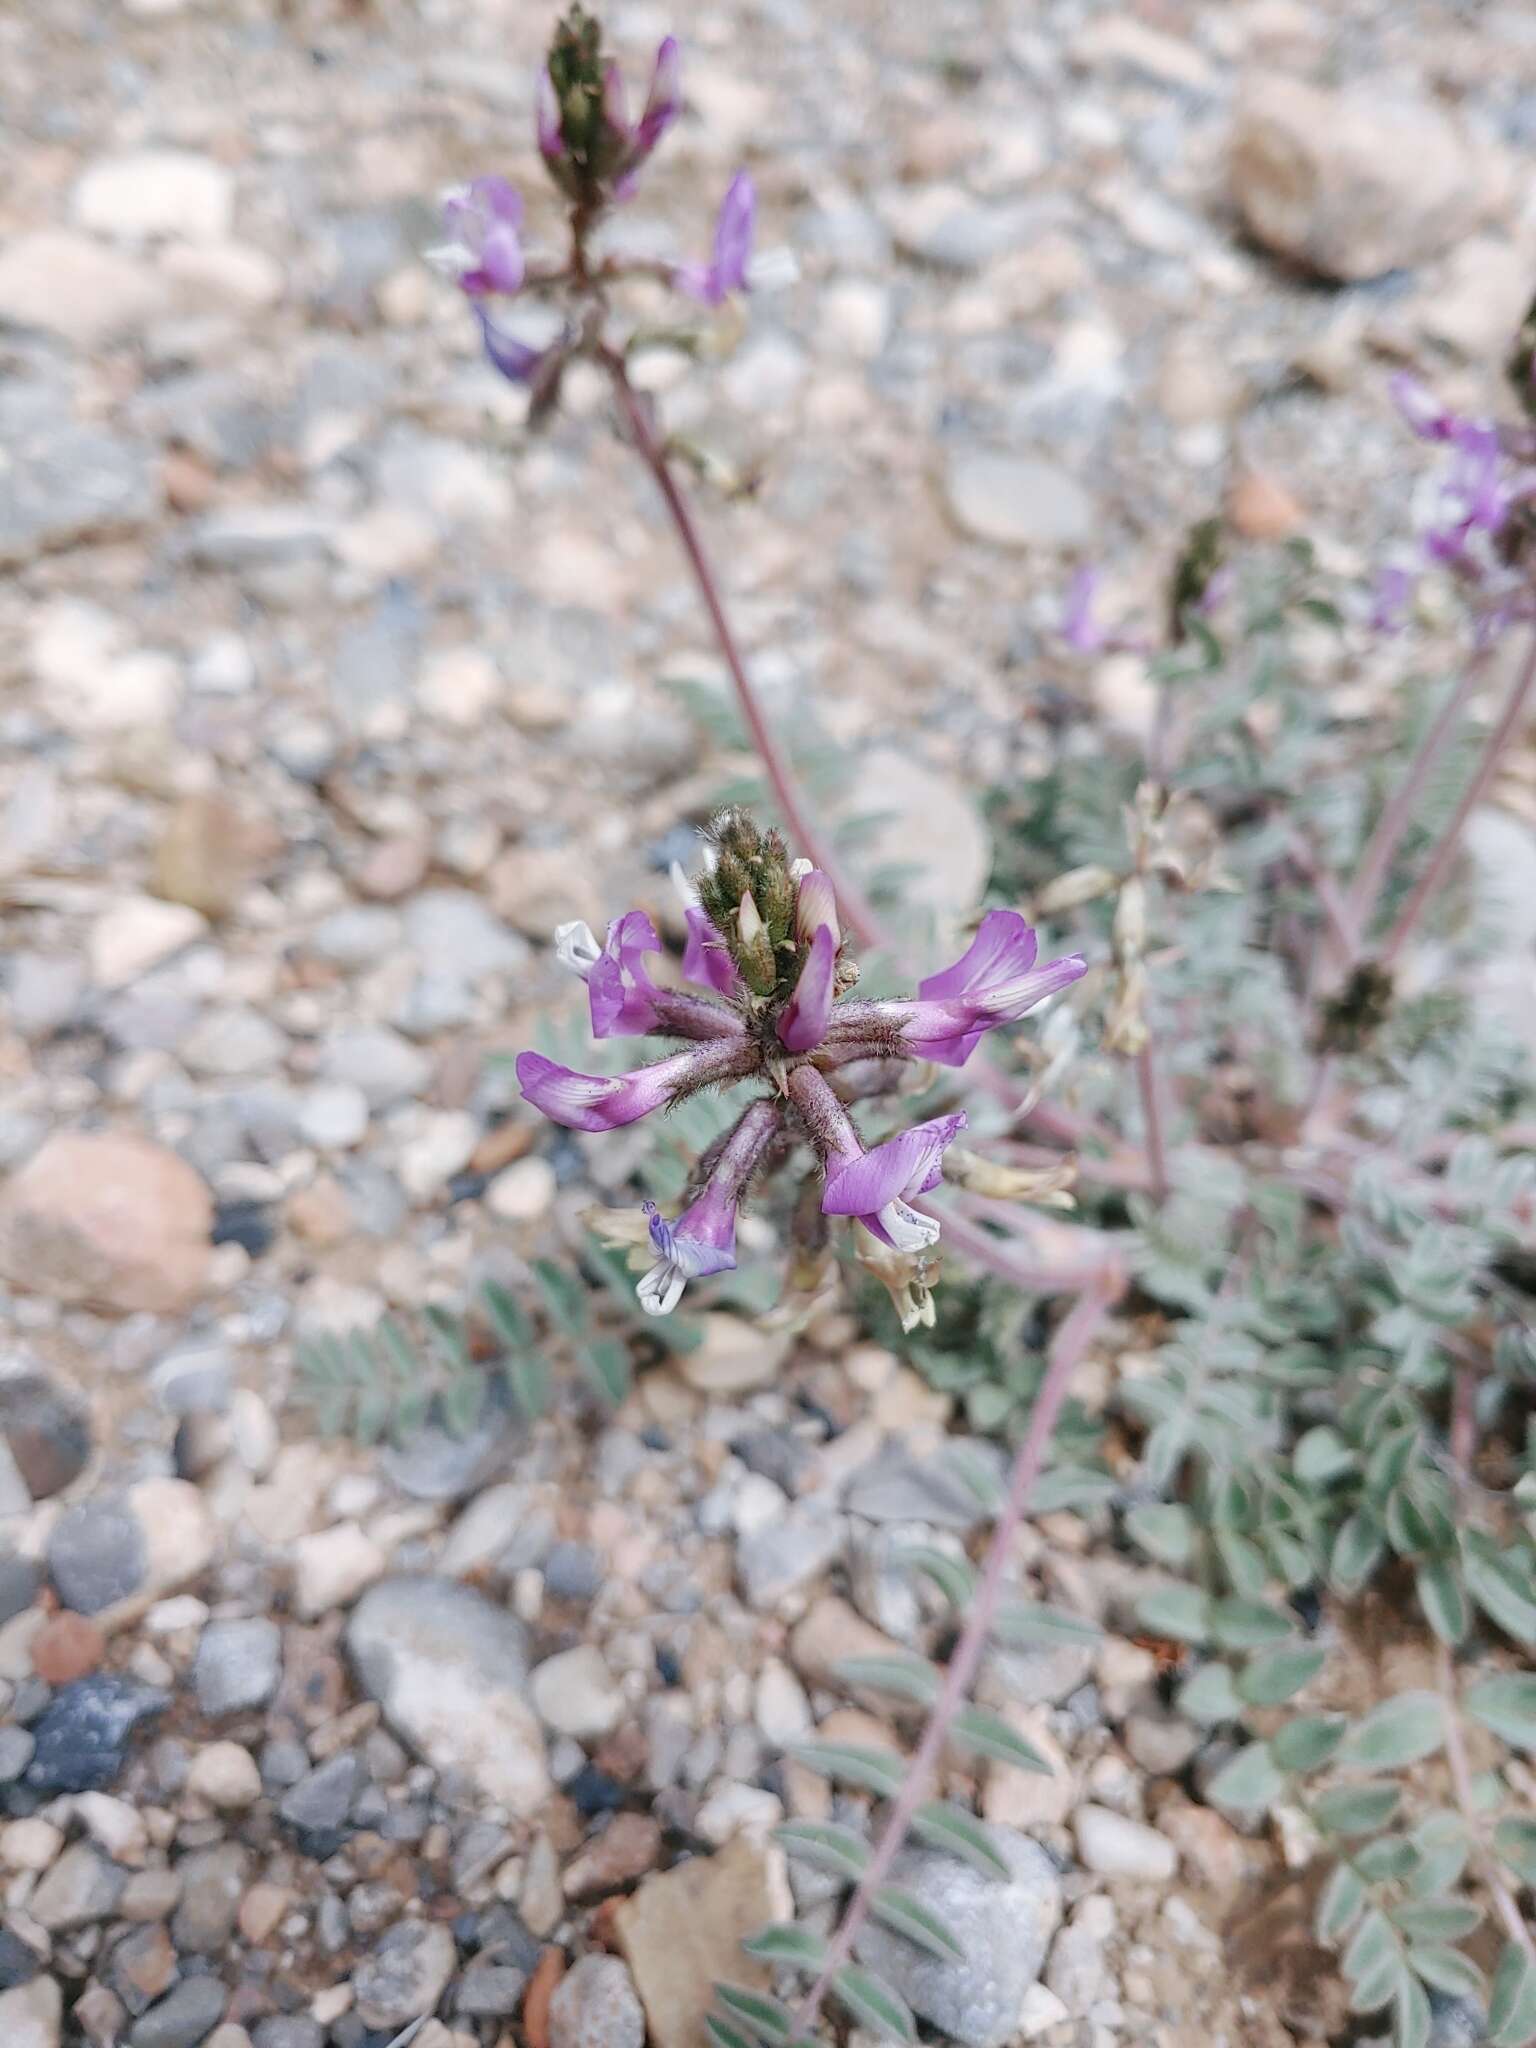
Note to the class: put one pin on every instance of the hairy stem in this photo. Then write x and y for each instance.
(1504, 1902)
(808, 836)
(1363, 893)
(1515, 705)
(1071, 1341)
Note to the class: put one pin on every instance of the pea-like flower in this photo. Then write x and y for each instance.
(726, 272)
(485, 254)
(766, 953)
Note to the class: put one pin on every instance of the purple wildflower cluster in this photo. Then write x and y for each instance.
(594, 154)
(1480, 524)
(771, 1001)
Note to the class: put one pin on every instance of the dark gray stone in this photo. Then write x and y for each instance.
(572, 1571)
(97, 1556)
(489, 1991)
(82, 1734)
(67, 483)
(316, 1808)
(49, 1435)
(184, 2017)
(406, 1975)
(212, 1881)
(20, 1578)
(16, 1750)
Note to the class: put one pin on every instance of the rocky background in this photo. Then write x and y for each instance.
(325, 691)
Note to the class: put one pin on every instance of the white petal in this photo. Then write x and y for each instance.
(661, 1289)
(687, 894)
(576, 947)
(908, 1231)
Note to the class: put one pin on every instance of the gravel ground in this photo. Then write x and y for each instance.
(325, 691)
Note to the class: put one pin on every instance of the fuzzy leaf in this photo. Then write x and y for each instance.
(1414, 2018)
(1164, 1530)
(564, 1296)
(1398, 1732)
(1355, 1809)
(961, 1834)
(897, 1907)
(873, 2003)
(1512, 2000)
(1357, 1551)
(1515, 1842)
(1249, 1781)
(723, 2034)
(528, 1377)
(1447, 1969)
(1210, 1696)
(1497, 1586)
(1436, 1919)
(1441, 1845)
(1276, 1676)
(766, 2018)
(787, 1943)
(1507, 1705)
(988, 1734)
(508, 1317)
(1339, 1907)
(1444, 1600)
(952, 1575)
(1182, 1612)
(1371, 1944)
(1320, 1455)
(900, 1677)
(851, 1763)
(1023, 1624)
(1249, 1624)
(607, 1365)
(827, 1844)
(1071, 1486)
(1307, 1743)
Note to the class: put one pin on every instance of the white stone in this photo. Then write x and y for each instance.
(138, 934)
(155, 192)
(333, 1116)
(138, 690)
(31, 1844)
(440, 1149)
(1016, 501)
(331, 1568)
(575, 1694)
(180, 1534)
(738, 1810)
(780, 1707)
(1117, 1847)
(1041, 2011)
(226, 1776)
(118, 1827)
(523, 1192)
(69, 285)
(32, 2015)
(459, 686)
(223, 277)
(69, 641)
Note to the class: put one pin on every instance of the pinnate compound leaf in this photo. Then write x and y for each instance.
(1277, 1675)
(1505, 1593)
(952, 1575)
(1512, 2000)
(1355, 1809)
(1397, 1733)
(1210, 1696)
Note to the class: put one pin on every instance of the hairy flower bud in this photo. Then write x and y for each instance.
(754, 948)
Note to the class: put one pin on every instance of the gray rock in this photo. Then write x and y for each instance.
(97, 1555)
(69, 484)
(212, 1881)
(284, 2032)
(456, 934)
(239, 1665)
(896, 1487)
(1005, 1930)
(358, 936)
(789, 1554)
(433, 1464)
(595, 2006)
(49, 1435)
(450, 1671)
(260, 536)
(44, 992)
(184, 2017)
(374, 667)
(490, 1991)
(572, 1571)
(316, 1808)
(82, 1734)
(406, 1975)
(16, 1750)
(380, 1062)
(82, 1887)
(32, 2015)
(1016, 501)
(195, 1378)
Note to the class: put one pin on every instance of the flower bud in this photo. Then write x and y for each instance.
(754, 948)
(815, 905)
(1130, 927)
(1075, 888)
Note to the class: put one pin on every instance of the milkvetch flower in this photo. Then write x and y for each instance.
(726, 272)
(703, 1239)
(622, 999)
(804, 1019)
(877, 1186)
(486, 252)
(593, 1102)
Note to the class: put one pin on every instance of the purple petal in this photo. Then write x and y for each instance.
(805, 1017)
(903, 1166)
(697, 281)
(615, 107)
(498, 198)
(1079, 627)
(547, 116)
(733, 233)
(518, 363)
(1394, 588)
(620, 997)
(1004, 947)
(1424, 413)
(705, 959)
(589, 1102)
(664, 101)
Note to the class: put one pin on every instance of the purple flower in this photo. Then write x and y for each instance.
(815, 903)
(996, 981)
(591, 1102)
(703, 1239)
(516, 361)
(623, 1000)
(804, 1019)
(486, 254)
(1424, 413)
(705, 959)
(726, 272)
(547, 118)
(876, 1186)
(1079, 627)
(663, 104)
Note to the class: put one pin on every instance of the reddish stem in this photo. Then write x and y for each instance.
(858, 911)
(1072, 1340)
(1445, 849)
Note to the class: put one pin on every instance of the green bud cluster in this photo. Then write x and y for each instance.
(577, 71)
(750, 900)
